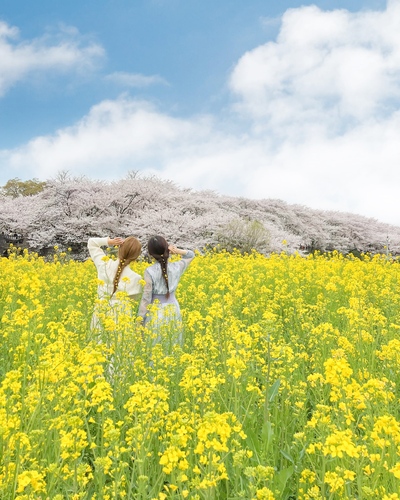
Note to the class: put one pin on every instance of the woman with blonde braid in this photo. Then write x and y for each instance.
(115, 275)
(162, 279)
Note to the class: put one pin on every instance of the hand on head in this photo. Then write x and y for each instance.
(116, 241)
(173, 248)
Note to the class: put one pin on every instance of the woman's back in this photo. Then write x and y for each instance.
(156, 283)
(175, 271)
(107, 269)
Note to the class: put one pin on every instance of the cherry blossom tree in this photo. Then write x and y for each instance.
(67, 211)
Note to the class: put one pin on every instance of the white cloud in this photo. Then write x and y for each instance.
(341, 63)
(114, 135)
(64, 51)
(323, 106)
(135, 79)
(270, 22)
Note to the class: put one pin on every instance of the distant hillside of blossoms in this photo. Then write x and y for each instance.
(67, 211)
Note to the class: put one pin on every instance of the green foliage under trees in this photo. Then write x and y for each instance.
(15, 187)
(244, 235)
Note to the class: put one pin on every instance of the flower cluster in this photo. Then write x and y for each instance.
(286, 385)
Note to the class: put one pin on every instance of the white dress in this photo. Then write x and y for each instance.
(155, 289)
(106, 269)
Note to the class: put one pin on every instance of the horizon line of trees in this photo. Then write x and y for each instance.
(66, 211)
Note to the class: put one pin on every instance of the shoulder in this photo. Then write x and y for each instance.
(153, 271)
(111, 264)
(135, 275)
(150, 269)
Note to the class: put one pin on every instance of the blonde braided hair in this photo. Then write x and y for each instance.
(128, 252)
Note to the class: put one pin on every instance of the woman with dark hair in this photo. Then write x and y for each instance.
(162, 279)
(115, 275)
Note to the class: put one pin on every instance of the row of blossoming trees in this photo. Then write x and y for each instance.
(66, 211)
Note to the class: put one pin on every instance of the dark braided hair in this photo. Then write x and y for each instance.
(158, 248)
(127, 253)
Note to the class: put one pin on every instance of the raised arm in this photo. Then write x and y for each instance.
(94, 246)
(147, 295)
(187, 256)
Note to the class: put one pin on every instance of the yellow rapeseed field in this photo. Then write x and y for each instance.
(286, 387)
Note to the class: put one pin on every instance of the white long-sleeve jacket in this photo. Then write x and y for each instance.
(155, 284)
(106, 269)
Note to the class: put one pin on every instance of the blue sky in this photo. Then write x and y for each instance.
(290, 100)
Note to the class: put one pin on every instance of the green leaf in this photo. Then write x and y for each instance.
(267, 433)
(287, 456)
(273, 390)
(282, 476)
(253, 441)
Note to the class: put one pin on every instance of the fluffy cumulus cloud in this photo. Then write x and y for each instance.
(337, 66)
(115, 135)
(63, 51)
(317, 120)
(326, 96)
